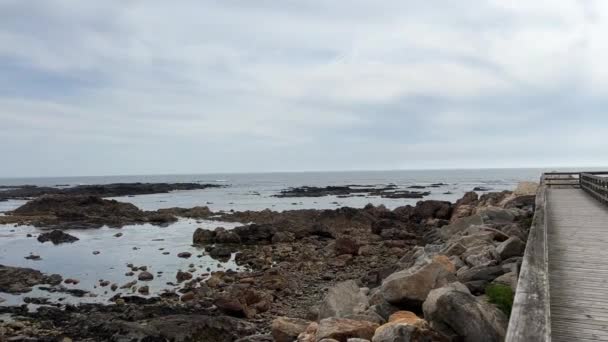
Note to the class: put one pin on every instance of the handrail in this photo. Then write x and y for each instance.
(595, 186)
(531, 314)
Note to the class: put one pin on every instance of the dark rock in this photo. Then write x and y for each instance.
(57, 237)
(20, 280)
(346, 245)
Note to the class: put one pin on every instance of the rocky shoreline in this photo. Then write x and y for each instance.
(415, 273)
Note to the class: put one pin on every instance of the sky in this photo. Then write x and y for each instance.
(157, 87)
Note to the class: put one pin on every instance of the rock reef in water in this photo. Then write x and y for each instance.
(101, 190)
(389, 191)
(79, 211)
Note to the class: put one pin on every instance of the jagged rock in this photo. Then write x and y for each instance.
(203, 236)
(480, 273)
(57, 237)
(341, 329)
(496, 215)
(285, 329)
(343, 299)
(20, 280)
(511, 248)
(454, 312)
(226, 236)
(431, 209)
(459, 225)
(283, 237)
(409, 288)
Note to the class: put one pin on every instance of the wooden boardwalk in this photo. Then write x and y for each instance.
(577, 240)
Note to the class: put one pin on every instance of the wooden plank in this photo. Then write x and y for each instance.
(577, 239)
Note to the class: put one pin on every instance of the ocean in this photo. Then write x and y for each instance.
(254, 191)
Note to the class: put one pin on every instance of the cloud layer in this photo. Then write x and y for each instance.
(128, 87)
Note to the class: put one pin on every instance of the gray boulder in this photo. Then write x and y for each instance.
(512, 247)
(411, 287)
(343, 299)
(453, 311)
(459, 225)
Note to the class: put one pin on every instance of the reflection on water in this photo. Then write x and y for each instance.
(140, 245)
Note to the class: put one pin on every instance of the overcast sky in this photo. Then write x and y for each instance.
(132, 87)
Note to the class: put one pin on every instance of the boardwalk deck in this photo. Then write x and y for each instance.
(577, 239)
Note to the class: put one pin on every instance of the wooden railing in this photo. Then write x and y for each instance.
(595, 185)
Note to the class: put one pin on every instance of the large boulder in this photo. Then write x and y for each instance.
(459, 225)
(511, 247)
(343, 299)
(405, 326)
(453, 311)
(409, 288)
(226, 236)
(432, 209)
(285, 329)
(341, 329)
(497, 215)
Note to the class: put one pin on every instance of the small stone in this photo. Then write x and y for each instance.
(144, 290)
(96, 252)
(184, 255)
(145, 276)
(71, 281)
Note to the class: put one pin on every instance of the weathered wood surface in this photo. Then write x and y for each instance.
(578, 265)
(530, 318)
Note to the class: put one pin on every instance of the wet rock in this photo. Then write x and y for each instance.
(285, 329)
(203, 236)
(104, 283)
(96, 252)
(188, 296)
(343, 299)
(33, 257)
(20, 280)
(512, 247)
(226, 236)
(118, 235)
(341, 329)
(507, 279)
(145, 276)
(129, 284)
(184, 255)
(183, 276)
(71, 281)
(57, 237)
(454, 312)
(409, 288)
(144, 290)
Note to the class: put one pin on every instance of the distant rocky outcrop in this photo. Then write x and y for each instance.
(100, 190)
(80, 211)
